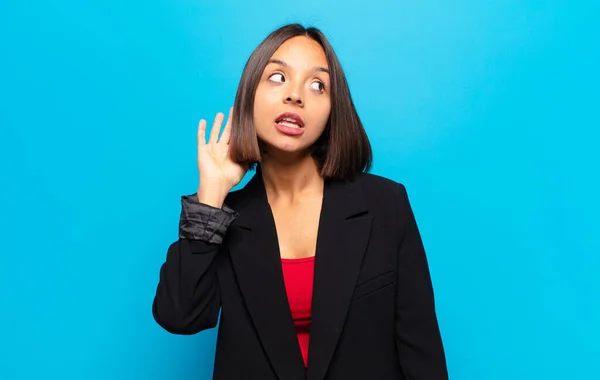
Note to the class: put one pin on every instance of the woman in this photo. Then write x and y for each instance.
(316, 267)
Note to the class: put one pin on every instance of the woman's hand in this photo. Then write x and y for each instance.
(218, 172)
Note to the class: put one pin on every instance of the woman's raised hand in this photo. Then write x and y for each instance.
(218, 172)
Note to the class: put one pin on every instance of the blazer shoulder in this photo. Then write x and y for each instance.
(383, 191)
(388, 199)
(377, 183)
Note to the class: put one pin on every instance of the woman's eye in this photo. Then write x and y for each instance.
(277, 77)
(319, 86)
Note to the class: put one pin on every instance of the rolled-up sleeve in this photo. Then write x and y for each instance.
(199, 221)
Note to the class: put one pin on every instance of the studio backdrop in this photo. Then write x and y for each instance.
(486, 111)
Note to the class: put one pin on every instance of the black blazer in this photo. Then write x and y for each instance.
(373, 313)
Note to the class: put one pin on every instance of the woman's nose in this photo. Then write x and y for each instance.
(294, 97)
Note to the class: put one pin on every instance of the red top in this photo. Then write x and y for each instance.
(298, 276)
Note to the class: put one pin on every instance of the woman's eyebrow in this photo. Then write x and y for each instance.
(282, 63)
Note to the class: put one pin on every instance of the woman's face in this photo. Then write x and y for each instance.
(292, 101)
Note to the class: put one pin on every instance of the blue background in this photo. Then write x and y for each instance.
(486, 111)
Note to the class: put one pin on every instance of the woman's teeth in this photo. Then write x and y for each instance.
(289, 124)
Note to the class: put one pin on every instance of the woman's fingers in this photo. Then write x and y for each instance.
(202, 132)
(227, 131)
(216, 128)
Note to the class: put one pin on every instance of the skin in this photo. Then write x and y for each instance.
(296, 80)
(293, 81)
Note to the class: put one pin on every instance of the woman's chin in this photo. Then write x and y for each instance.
(285, 151)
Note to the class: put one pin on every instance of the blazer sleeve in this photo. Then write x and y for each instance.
(187, 296)
(420, 349)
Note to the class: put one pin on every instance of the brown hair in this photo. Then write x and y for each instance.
(342, 150)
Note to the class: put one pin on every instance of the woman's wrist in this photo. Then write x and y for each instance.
(212, 193)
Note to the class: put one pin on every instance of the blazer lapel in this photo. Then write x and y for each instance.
(343, 236)
(255, 255)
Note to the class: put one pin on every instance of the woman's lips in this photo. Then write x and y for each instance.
(290, 123)
(289, 129)
(290, 118)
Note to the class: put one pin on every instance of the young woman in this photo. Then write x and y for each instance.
(315, 267)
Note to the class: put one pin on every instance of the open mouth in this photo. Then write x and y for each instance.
(290, 119)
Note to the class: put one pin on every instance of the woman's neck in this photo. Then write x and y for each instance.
(292, 180)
